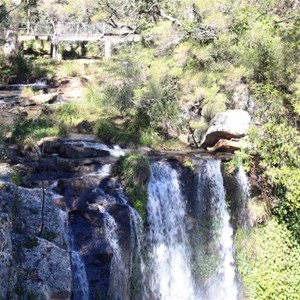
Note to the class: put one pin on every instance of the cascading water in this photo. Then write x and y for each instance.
(243, 195)
(118, 280)
(137, 266)
(217, 242)
(169, 270)
(80, 280)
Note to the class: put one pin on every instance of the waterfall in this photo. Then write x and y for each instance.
(80, 281)
(137, 266)
(243, 195)
(104, 170)
(169, 260)
(219, 260)
(118, 280)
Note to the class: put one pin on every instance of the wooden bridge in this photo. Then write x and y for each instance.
(72, 31)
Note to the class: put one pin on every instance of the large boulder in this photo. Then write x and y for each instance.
(33, 265)
(46, 270)
(231, 124)
(70, 88)
(11, 43)
(41, 99)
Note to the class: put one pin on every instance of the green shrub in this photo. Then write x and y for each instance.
(20, 64)
(30, 129)
(268, 259)
(134, 171)
(108, 132)
(68, 113)
(16, 178)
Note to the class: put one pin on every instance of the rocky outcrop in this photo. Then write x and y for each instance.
(241, 98)
(11, 43)
(34, 258)
(232, 124)
(45, 272)
(228, 145)
(41, 99)
(71, 88)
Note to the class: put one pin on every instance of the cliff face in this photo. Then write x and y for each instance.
(32, 264)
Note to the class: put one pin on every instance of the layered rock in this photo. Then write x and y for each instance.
(232, 124)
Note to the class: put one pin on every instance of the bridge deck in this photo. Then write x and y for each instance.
(84, 37)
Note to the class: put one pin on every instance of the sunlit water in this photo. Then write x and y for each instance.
(119, 274)
(80, 280)
(169, 274)
(222, 282)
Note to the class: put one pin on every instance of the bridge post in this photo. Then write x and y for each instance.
(107, 49)
(54, 50)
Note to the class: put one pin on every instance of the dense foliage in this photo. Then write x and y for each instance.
(196, 58)
(269, 260)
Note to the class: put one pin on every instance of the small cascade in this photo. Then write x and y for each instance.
(114, 150)
(137, 266)
(104, 170)
(80, 281)
(221, 284)
(169, 270)
(118, 280)
(243, 195)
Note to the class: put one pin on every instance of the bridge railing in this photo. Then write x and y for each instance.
(64, 29)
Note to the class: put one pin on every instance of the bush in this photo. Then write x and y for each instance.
(108, 132)
(268, 259)
(134, 172)
(68, 113)
(33, 130)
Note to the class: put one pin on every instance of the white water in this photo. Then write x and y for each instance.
(137, 265)
(243, 193)
(115, 150)
(104, 170)
(80, 281)
(118, 280)
(223, 284)
(169, 276)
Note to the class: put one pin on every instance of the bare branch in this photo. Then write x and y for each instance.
(15, 7)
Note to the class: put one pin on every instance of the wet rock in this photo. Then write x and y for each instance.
(77, 151)
(255, 188)
(226, 125)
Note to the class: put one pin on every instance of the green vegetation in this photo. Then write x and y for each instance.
(268, 259)
(16, 178)
(189, 164)
(241, 158)
(134, 172)
(32, 130)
